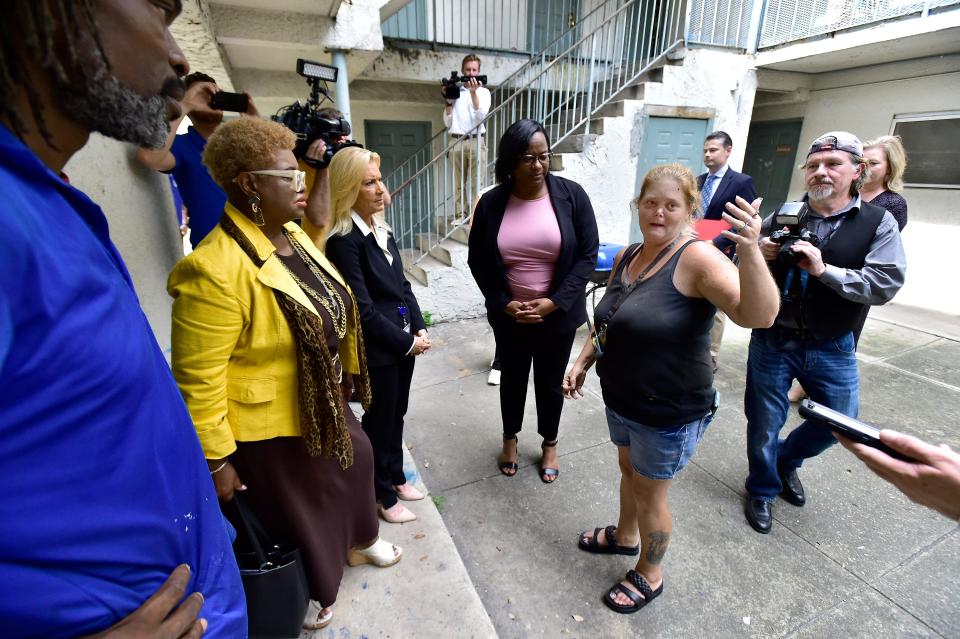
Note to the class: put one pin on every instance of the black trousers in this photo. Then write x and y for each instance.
(519, 346)
(383, 424)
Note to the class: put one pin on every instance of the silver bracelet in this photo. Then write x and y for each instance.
(220, 467)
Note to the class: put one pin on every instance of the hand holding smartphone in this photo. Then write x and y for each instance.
(226, 101)
(849, 427)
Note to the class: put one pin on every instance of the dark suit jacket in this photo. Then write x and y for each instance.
(380, 288)
(579, 243)
(731, 185)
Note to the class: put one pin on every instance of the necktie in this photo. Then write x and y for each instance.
(709, 186)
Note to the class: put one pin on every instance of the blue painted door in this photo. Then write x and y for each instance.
(667, 140)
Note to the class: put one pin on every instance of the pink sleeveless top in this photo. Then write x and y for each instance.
(529, 242)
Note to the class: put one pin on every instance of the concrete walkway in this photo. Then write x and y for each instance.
(858, 561)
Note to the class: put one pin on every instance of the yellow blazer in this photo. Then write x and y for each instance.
(234, 356)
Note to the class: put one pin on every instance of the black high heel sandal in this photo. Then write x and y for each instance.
(509, 465)
(548, 475)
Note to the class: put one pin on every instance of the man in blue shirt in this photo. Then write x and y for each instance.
(181, 156)
(106, 489)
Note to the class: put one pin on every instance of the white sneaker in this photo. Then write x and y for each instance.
(493, 379)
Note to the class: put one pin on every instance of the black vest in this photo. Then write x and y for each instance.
(823, 314)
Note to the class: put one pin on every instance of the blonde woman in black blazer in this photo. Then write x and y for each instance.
(362, 247)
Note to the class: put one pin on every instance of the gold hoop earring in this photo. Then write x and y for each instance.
(254, 202)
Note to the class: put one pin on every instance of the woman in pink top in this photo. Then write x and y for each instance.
(533, 247)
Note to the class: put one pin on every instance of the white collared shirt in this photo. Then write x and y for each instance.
(720, 173)
(463, 117)
(379, 230)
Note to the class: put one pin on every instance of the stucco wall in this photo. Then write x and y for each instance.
(934, 228)
(714, 82)
(143, 224)
(867, 110)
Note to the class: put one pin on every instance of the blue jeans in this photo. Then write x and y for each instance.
(828, 372)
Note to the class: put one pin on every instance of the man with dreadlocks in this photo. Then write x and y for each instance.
(107, 491)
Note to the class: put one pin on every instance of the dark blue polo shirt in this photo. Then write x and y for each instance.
(203, 197)
(104, 486)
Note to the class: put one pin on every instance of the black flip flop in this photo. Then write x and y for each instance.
(611, 548)
(635, 578)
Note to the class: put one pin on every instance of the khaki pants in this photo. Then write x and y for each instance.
(464, 158)
(716, 333)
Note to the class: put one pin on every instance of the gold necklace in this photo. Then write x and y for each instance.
(332, 302)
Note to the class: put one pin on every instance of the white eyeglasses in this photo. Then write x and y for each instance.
(298, 179)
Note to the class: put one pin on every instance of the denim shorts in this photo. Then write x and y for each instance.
(657, 452)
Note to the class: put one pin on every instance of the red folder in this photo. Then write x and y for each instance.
(709, 229)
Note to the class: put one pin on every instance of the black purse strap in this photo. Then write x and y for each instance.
(255, 532)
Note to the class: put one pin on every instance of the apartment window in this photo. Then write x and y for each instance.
(933, 151)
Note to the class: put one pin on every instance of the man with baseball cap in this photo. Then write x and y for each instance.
(854, 259)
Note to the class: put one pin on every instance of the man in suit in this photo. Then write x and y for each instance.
(720, 185)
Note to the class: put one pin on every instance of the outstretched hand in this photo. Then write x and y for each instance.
(744, 217)
(933, 480)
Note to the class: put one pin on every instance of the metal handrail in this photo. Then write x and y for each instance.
(563, 93)
(496, 95)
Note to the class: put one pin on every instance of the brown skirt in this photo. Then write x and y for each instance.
(312, 502)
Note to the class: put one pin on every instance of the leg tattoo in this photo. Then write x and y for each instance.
(658, 541)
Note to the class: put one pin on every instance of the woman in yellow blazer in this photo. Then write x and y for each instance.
(266, 348)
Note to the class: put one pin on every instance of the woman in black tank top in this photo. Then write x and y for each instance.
(652, 348)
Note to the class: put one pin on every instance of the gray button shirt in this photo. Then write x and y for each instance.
(884, 268)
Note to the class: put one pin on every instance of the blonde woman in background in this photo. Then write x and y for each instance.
(362, 247)
(887, 161)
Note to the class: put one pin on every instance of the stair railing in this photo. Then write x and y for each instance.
(432, 196)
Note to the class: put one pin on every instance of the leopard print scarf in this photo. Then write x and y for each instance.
(323, 424)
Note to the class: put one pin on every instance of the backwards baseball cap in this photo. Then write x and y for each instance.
(837, 141)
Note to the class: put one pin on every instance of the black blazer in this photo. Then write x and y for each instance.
(731, 185)
(380, 288)
(579, 243)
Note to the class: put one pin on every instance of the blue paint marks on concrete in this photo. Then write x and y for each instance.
(410, 472)
(364, 585)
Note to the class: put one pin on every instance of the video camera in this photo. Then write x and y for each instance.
(451, 86)
(790, 220)
(307, 120)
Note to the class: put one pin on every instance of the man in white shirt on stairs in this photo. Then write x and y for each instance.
(461, 117)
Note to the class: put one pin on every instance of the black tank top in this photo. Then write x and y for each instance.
(656, 367)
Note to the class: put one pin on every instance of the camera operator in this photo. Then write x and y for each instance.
(460, 117)
(180, 156)
(859, 262)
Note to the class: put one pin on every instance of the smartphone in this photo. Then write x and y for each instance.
(226, 101)
(848, 427)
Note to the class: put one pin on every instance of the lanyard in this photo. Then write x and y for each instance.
(625, 291)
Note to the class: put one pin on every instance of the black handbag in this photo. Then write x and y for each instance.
(274, 580)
